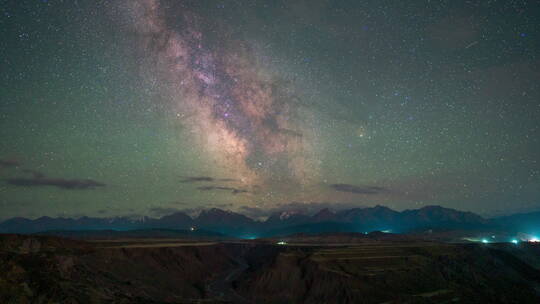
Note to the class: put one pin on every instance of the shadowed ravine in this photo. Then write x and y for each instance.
(306, 270)
(221, 287)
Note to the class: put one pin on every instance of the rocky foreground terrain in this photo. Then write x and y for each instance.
(363, 270)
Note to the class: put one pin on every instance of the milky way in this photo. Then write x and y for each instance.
(121, 107)
(241, 115)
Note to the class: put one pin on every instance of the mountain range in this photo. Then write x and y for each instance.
(225, 222)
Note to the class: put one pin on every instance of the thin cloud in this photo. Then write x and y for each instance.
(35, 173)
(358, 189)
(290, 132)
(38, 179)
(8, 163)
(212, 188)
(199, 179)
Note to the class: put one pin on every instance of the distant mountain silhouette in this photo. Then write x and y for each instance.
(324, 215)
(439, 217)
(225, 221)
(523, 222)
(378, 218)
(286, 218)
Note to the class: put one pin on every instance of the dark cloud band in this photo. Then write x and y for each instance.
(39, 179)
(358, 189)
(212, 188)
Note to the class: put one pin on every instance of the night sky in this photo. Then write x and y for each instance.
(143, 107)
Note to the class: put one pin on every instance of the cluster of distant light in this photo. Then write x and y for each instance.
(531, 240)
(515, 241)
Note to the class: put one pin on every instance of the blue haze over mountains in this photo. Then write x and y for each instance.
(222, 222)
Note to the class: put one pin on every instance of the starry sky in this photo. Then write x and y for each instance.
(144, 107)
